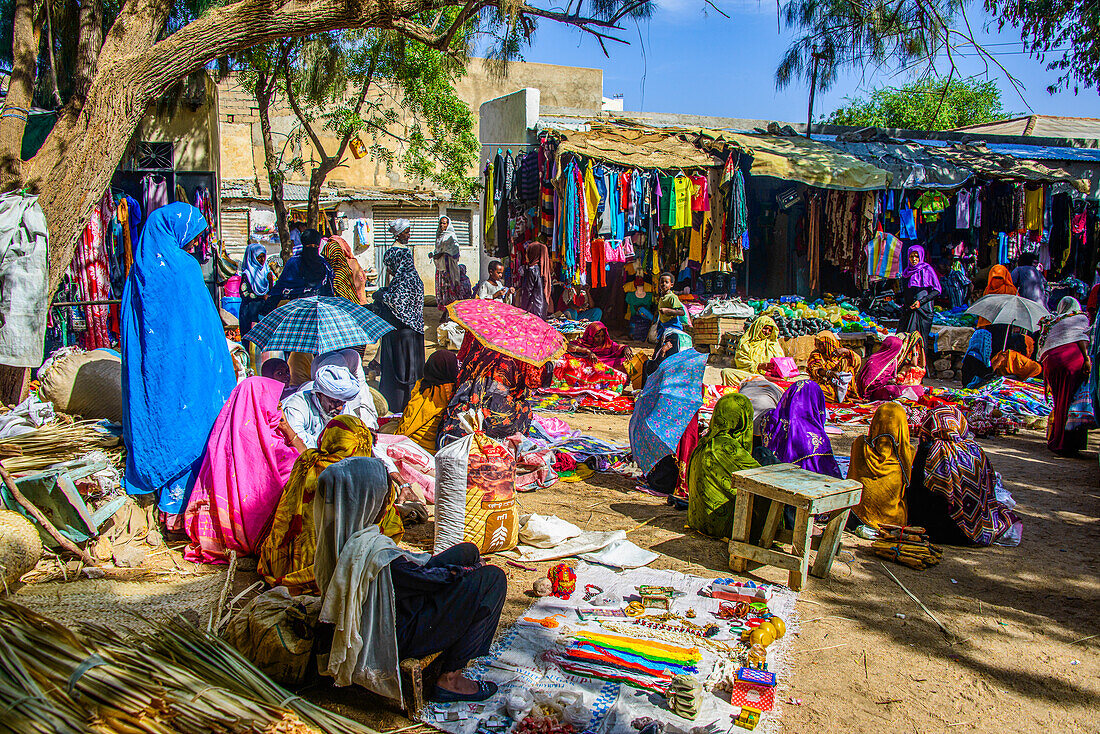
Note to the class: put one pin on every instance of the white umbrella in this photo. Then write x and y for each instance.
(1003, 308)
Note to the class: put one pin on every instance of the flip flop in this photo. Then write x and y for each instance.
(485, 689)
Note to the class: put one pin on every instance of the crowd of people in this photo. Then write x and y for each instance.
(282, 465)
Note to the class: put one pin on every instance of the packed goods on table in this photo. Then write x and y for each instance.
(796, 317)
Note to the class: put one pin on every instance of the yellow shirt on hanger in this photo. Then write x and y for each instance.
(684, 189)
(591, 193)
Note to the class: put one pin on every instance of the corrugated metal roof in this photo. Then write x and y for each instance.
(1049, 126)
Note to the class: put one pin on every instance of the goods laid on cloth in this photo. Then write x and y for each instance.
(509, 330)
(576, 662)
(475, 494)
(172, 679)
(666, 406)
(88, 384)
(24, 285)
(317, 325)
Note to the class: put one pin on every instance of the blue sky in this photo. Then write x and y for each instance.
(691, 60)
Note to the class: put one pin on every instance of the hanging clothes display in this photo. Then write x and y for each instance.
(91, 273)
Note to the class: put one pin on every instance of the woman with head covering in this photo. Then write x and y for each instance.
(882, 461)
(912, 366)
(287, 551)
(998, 282)
(401, 351)
(451, 282)
(605, 360)
(673, 341)
(952, 490)
(1064, 351)
(256, 280)
(895, 370)
(247, 461)
(759, 345)
(430, 397)
(921, 287)
(795, 430)
(533, 295)
(385, 604)
(306, 274)
(976, 365)
(348, 279)
(834, 368)
(727, 448)
(176, 369)
(764, 396)
(496, 386)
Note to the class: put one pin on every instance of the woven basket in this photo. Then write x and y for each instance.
(20, 547)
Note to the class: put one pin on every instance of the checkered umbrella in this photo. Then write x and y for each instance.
(317, 325)
(663, 410)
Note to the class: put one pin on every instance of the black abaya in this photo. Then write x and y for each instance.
(918, 319)
(401, 353)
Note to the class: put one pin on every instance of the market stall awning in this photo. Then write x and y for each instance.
(911, 166)
(1000, 167)
(795, 158)
(636, 148)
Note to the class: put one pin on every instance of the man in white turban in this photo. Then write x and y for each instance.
(334, 391)
(401, 229)
(362, 407)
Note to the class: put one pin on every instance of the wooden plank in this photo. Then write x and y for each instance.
(766, 556)
(797, 577)
(790, 484)
(742, 516)
(830, 541)
(832, 503)
(771, 524)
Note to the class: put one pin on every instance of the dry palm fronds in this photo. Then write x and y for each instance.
(56, 442)
(171, 680)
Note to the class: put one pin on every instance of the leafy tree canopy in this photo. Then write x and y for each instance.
(926, 104)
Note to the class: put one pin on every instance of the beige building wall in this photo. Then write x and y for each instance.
(193, 131)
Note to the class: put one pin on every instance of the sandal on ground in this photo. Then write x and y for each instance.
(485, 689)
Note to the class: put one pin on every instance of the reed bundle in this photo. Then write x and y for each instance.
(173, 679)
(907, 545)
(56, 442)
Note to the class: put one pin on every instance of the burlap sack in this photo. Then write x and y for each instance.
(87, 384)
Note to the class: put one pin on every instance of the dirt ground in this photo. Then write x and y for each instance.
(1024, 648)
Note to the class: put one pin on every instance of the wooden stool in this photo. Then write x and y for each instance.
(412, 683)
(810, 494)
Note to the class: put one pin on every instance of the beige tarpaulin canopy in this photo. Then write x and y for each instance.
(636, 148)
(1000, 167)
(795, 158)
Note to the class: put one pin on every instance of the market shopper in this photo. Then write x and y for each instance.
(533, 294)
(882, 461)
(727, 448)
(896, 370)
(1029, 280)
(401, 304)
(493, 287)
(429, 399)
(348, 279)
(305, 274)
(921, 287)
(952, 489)
(574, 302)
(256, 282)
(834, 368)
(451, 282)
(998, 282)
(334, 391)
(977, 364)
(382, 604)
(1014, 360)
(795, 430)
(1064, 352)
(176, 370)
(673, 342)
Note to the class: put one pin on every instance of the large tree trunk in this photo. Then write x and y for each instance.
(265, 92)
(316, 181)
(78, 159)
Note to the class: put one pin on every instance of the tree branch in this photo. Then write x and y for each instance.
(17, 104)
(305, 122)
(359, 103)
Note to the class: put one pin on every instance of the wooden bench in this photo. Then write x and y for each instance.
(811, 494)
(412, 683)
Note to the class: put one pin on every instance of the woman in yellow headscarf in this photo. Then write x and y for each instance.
(833, 366)
(286, 554)
(429, 399)
(882, 461)
(758, 346)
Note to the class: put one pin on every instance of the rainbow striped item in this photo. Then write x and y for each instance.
(884, 256)
(659, 651)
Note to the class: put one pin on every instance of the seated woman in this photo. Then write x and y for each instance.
(952, 489)
(764, 396)
(386, 604)
(597, 349)
(574, 302)
(759, 345)
(1015, 359)
(725, 449)
(672, 342)
(834, 368)
(430, 397)
(795, 430)
(248, 458)
(890, 372)
(977, 366)
(496, 386)
(286, 555)
(882, 461)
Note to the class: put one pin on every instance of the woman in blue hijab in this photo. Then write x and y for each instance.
(176, 368)
(255, 284)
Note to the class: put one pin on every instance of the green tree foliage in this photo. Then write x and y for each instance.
(926, 104)
(1064, 33)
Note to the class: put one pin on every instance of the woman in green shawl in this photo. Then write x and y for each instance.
(727, 448)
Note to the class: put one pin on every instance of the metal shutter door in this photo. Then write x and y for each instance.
(234, 231)
(461, 218)
(425, 222)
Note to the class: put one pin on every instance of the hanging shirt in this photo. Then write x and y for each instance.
(591, 193)
(700, 201)
(962, 210)
(684, 190)
(667, 194)
(1033, 209)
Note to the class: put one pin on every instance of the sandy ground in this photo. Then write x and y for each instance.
(1024, 650)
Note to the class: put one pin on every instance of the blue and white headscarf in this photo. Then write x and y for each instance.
(253, 272)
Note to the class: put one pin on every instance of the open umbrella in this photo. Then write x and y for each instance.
(509, 330)
(1004, 308)
(317, 325)
(663, 410)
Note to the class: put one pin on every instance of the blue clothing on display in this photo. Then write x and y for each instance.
(176, 368)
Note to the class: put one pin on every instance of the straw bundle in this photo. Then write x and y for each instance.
(57, 442)
(908, 546)
(171, 680)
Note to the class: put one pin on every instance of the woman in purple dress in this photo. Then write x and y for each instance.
(795, 430)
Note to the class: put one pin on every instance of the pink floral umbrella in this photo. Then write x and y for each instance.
(509, 330)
